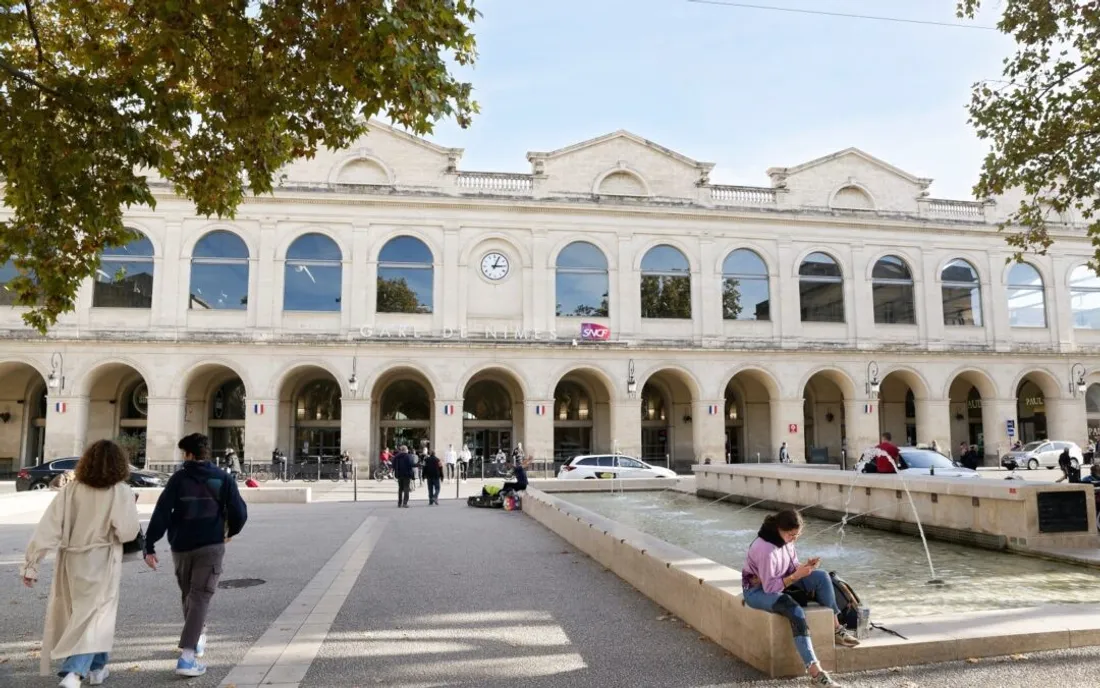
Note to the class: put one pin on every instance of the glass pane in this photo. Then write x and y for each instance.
(892, 268)
(313, 247)
(406, 400)
(571, 402)
(1084, 278)
(405, 249)
(959, 270)
(819, 265)
(404, 290)
(123, 284)
(138, 247)
(229, 402)
(135, 402)
(581, 254)
(974, 404)
(894, 304)
(582, 294)
(219, 286)
(1023, 275)
(1026, 308)
(223, 438)
(744, 262)
(220, 244)
(962, 305)
(312, 287)
(569, 442)
(745, 299)
(653, 404)
(7, 273)
(1092, 399)
(665, 259)
(319, 400)
(487, 400)
(666, 297)
(821, 301)
(1086, 309)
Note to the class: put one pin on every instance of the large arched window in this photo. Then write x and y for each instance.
(227, 417)
(313, 274)
(219, 273)
(1084, 298)
(487, 400)
(892, 290)
(745, 287)
(405, 276)
(124, 278)
(666, 284)
(582, 284)
(318, 400)
(821, 289)
(962, 294)
(406, 400)
(1026, 299)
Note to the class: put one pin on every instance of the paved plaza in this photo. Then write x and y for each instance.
(364, 594)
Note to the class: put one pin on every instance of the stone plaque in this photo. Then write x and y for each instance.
(1063, 512)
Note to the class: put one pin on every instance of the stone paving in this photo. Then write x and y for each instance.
(367, 594)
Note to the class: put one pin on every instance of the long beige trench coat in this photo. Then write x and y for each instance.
(86, 526)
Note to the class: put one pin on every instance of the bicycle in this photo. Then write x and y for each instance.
(383, 472)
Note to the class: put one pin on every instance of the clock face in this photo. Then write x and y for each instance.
(494, 266)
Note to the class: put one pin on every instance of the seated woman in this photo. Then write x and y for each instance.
(771, 567)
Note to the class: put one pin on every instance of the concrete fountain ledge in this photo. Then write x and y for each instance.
(707, 596)
(992, 514)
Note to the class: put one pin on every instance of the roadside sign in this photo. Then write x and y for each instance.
(1010, 426)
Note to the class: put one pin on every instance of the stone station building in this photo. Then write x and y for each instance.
(611, 299)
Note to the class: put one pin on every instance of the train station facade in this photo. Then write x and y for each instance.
(612, 298)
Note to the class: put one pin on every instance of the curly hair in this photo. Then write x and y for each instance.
(103, 464)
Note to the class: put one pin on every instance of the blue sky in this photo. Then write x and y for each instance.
(746, 89)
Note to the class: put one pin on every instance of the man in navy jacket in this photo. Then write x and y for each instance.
(404, 467)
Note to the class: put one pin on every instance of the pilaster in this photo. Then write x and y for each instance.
(787, 418)
(66, 426)
(626, 427)
(709, 430)
(355, 430)
(538, 422)
(261, 430)
(164, 428)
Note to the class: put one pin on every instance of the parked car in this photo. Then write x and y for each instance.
(1043, 453)
(39, 477)
(594, 466)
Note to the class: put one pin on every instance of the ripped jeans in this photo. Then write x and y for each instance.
(819, 585)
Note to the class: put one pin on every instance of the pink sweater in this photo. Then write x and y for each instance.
(767, 565)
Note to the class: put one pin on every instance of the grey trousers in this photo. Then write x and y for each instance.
(197, 573)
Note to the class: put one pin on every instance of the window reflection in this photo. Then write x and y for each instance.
(892, 290)
(487, 400)
(219, 273)
(8, 272)
(124, 278)
(666, 284)
(745, 287)
(821, 289)
(581, 281)
(1084, 294)
(404, 277)
(406, 400)
(313, 275)
(962, 294)
(319, 400)
(1026, 299)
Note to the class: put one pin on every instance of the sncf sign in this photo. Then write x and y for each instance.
(594, 332)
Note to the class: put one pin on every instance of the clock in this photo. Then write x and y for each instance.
(494, 266)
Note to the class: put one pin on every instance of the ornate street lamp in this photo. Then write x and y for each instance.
(1077, 383)
(353, 381)
(631, 383)
(56, 379)
(873, 385)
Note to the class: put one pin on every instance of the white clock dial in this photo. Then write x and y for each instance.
(494, 266)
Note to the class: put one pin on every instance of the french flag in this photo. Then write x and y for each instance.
(868, 408)
(712, 409)
(448, 409)
(61, 407)
(258, 409)
(540, 410)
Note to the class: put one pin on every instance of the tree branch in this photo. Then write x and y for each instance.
(1058, 82)
(26, 78)
(34, 32)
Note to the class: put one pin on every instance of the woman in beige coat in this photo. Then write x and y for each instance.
(86, 525)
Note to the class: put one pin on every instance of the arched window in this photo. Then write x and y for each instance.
(853, 198)
(1026, 299)
(821, 289)
(487, 400)
(227, 417)
(319, 400)
(124, 278)
(1084, 298)
(666, 284)
(962, 294)
(892, 290)
(653, 405)
(572, 402)
(313, 274)
(405, 276)
(406, 400)
(219, 273)
(582, 284)
(745, 287)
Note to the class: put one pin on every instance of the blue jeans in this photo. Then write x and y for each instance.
(433, 490)
(82, 664)
(819, 585)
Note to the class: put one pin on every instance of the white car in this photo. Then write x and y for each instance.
(1043, 453)
(920, 463)
(608, 466)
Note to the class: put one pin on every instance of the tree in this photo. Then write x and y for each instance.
(1043, 119)
(731, 299)
(666, 296)
(396, 296)
(215, 95)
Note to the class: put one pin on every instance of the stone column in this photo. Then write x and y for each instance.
(626, 427)
(356, 427)
(706, 290)
(261, 430)
(66, 427)
(788, 416)
(787, 299)
(447, 425)
(934, 422)
(164, 429)
(263, 290)
(861, 427)
(708, 430)
(538, 423)
(1066, 420)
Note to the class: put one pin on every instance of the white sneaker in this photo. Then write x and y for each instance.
(98, 676)
(71, 680)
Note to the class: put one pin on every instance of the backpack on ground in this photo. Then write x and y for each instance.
(846, 600)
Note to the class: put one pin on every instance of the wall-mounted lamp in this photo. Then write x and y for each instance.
(5, 416)
(1077, 380)
(353, 381)
(687, 418)
(829, 417)
(631, 383)
(959, 416)
(873, 385)
(56, 380)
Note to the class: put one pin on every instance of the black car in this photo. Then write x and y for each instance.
(39, 477)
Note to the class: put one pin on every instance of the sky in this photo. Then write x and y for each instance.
(747, 89)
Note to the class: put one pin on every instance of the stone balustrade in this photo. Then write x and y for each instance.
(960, 210)
(495, 182)
(741, 195)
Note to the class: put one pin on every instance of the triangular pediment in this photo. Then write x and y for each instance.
(620, 135)
(782, 172)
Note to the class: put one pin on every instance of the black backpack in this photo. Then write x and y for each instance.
(846, 600)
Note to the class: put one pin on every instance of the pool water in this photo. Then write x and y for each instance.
(888, 571)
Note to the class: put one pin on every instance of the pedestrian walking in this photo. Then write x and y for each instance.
(200, 509)
(465, 458)
(345, 465)
(433, 474)
(451, 457)
(784, 453)
(404, 467)
(87, 524)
